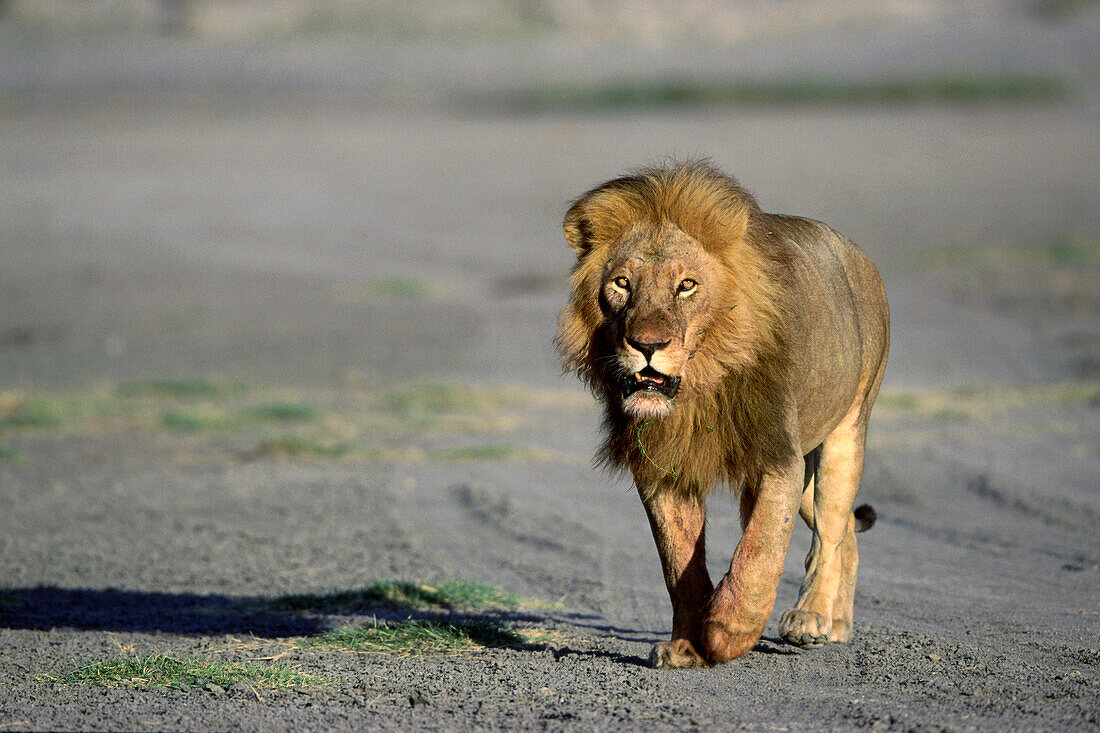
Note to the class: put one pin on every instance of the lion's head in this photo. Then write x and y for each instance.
(669, 294)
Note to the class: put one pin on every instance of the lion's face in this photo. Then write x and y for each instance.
(670, 295)
(657, 295)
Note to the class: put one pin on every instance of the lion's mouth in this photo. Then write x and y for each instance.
(650, 380)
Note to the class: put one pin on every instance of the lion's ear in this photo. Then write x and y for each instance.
(576, 229)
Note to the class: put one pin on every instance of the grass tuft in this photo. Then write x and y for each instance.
(298, 446)
(489, 452)
(186, 422)
(1077, 251)
(183, 387)
(965, 402)
(401, 287)
(164, 670)
(896, 401)
(420, 637)
(432, 398)
(950, 414)
(281, 412)
(1057, 253)
(460, 594)
(437, 398)
(8, 454)
(398, 594)
(35, 412)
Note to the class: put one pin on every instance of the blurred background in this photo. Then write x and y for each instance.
(370, 192)
(279, 281)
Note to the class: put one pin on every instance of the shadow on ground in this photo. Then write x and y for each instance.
(50, 607)
(186, 614)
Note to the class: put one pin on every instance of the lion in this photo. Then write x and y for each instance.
(733, 347)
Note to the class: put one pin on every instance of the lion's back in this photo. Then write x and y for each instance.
(840, 324)
(834, 274)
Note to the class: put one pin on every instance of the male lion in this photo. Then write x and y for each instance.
(732, 346)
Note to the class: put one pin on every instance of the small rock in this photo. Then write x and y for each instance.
(215, 689)
(418, 698)
(935, 657)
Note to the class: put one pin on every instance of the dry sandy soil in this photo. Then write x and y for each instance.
(390, 274)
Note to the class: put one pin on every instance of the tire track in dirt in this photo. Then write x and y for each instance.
(497, 512)
(1055, 511)
(568, 554)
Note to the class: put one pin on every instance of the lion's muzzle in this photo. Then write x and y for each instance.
(647, 391)
(649, 380)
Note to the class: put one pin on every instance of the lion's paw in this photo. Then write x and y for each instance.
(805, 628)
(675, 654)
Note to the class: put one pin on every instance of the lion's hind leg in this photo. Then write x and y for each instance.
(823, 612)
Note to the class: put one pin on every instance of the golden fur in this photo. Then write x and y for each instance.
(727, 431)
(732, 315)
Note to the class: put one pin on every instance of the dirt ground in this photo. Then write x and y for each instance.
(394, 273)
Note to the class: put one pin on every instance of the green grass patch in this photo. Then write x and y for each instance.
(189, 422)
(420, 637)
(398, 594)
(397, 425)
(1059, 253)
(183, 387)
(432, 399)
(300, 446)
(281, 412)
(1077, 251)
(463, 595)
(1070, 393)
(945, 89)
(396, 286)
(438, 398)
(8, 454)
(489, 452)
(36, 412)
(949, 414)
(164, 670)
(896, 401)
(81, 407)
(962, 403)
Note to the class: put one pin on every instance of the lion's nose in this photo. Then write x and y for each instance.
(648, 347)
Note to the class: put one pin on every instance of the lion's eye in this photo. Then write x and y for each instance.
(686, 287)
(621, 283)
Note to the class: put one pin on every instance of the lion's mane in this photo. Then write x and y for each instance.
(726, 426)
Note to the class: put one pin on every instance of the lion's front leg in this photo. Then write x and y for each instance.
(677, 523)
(743, 600)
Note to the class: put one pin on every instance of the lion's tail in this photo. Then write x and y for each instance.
(865, 517)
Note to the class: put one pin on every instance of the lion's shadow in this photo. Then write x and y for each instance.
(46, 608)
(188, 614)
(111, 609)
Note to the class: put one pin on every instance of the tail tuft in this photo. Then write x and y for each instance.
(865, 517)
